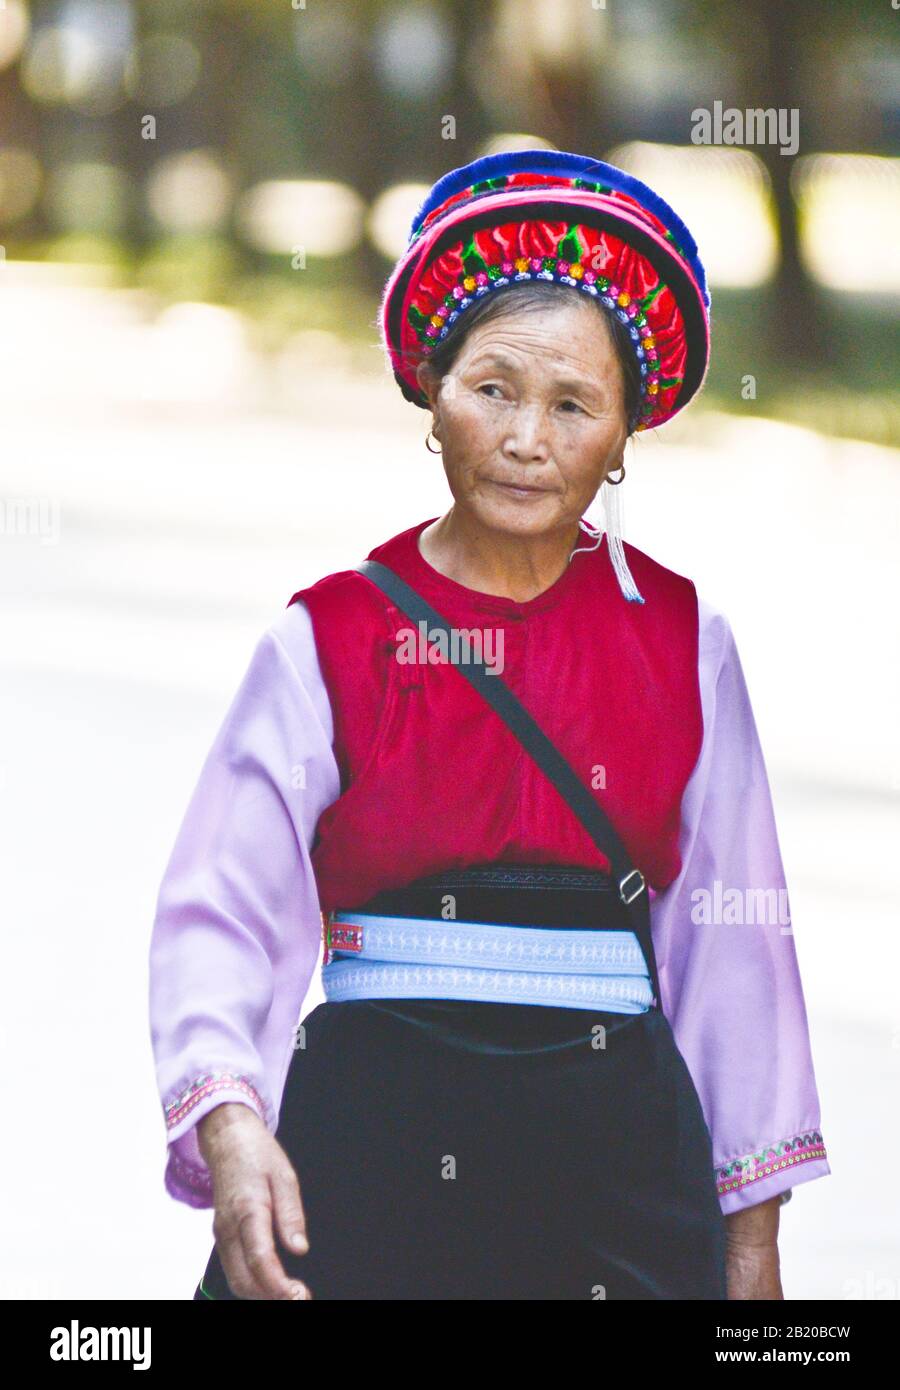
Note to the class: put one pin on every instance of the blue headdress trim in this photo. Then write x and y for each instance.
(563, 165)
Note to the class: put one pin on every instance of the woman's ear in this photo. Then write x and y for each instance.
(428, 382)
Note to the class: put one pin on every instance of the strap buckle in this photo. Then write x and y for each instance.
(340, 936)
(635, 873)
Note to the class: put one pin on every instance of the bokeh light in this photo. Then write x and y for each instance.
(189, 192)
(830, 190)
(391, 215)
(320, 217)
(79, 59)
(727, 193)
(505, 141)
(14, 26)
(411, 48)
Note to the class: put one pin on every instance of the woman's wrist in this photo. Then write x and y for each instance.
(222, 1117)
(755, 1226)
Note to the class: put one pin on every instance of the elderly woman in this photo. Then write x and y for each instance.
(516, 778)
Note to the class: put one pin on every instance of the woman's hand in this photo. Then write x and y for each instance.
(256, 1194)
(752, 1263)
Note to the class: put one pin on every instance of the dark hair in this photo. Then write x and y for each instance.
(536, 294)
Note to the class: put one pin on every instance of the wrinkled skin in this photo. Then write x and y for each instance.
(530, 420)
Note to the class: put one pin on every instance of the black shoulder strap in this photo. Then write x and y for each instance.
(631, 883)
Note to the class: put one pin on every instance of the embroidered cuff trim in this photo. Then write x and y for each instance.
(197, 1181)
(766, 1162)
(206, 1085)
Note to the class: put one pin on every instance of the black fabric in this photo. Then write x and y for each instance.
(530, 895)
(583, 1163)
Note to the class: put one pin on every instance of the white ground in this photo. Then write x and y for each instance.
(187, 492)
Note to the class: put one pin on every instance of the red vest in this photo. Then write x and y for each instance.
(431, 778)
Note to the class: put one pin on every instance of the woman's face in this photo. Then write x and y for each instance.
(531, 417)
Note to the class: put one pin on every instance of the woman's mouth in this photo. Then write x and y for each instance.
(520, 489)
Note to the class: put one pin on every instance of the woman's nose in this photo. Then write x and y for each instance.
(527, 436)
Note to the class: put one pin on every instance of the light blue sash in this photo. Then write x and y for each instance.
(378, 957)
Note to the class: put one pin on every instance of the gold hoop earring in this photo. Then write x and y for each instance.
(428, 446)
(614, 482)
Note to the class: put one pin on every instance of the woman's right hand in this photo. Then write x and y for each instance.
(256, 1194)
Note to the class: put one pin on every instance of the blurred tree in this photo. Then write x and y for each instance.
(789, 57)
(772, 57)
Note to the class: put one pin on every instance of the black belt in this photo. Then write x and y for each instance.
(526, 895)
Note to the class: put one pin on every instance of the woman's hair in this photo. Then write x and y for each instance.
(538, 294)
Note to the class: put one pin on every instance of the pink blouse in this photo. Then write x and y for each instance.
(237, 932)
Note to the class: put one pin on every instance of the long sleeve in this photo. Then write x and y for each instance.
(237, 928)
(727, 957)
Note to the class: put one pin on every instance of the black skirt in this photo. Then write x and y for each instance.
(458, 1150)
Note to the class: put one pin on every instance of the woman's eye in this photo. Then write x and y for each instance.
(573, 404)
(490, 386)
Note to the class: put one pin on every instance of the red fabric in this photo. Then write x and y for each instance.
(600, 251)
(432, 778)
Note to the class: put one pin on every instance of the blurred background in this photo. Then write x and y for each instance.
(200, 201)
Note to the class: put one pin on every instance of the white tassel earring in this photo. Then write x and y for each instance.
(613, 512)
(589, 531)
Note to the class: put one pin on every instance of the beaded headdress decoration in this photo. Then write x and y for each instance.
(576, 222)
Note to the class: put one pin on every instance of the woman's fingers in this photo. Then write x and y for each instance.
(290, 1218)
(244, 1238)
(238, 1275)
(261, 1258)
